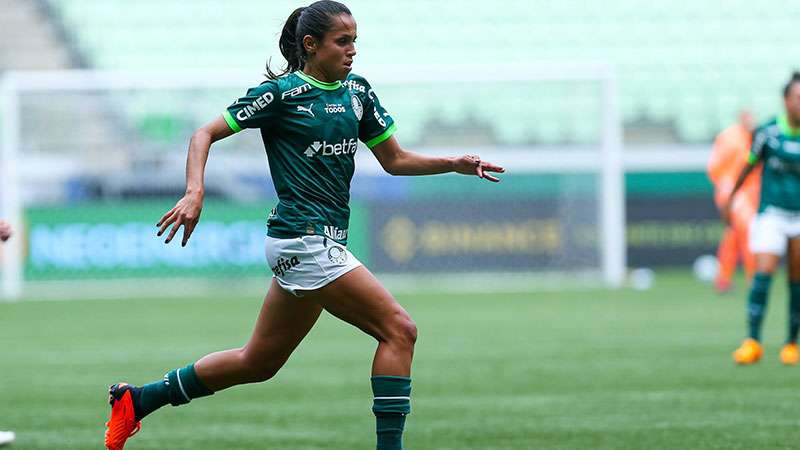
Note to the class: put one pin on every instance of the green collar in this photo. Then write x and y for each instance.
(786, 129)
(320, 84)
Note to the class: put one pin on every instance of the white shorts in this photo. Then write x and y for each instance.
(771, 229)
(308, 262)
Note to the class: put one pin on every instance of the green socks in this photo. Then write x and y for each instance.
(178, 387)
(757, 303)
(391, 405)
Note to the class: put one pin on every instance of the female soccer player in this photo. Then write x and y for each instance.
(777, 144)
(311, 117)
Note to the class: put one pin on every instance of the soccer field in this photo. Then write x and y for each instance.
(550, 370)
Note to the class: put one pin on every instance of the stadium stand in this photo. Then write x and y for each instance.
(668, 81)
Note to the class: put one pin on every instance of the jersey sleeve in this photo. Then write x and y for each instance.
(375, 125)
(758, 147)
(256, 109)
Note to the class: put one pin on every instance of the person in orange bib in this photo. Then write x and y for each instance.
(728, 157)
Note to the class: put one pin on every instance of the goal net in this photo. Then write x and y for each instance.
(91, 160)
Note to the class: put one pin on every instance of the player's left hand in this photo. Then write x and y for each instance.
(472, 165)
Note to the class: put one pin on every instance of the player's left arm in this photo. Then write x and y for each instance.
(395, 160)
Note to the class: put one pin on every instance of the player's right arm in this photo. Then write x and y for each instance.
(5, 230)
(186, 212)
(257, 109)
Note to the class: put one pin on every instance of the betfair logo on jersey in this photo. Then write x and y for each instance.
(354, 86)
(283, 265)
(333, 108)
(257, 105)
(296, 91)
(346, 147)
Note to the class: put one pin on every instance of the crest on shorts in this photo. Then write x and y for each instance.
(337, 255)
(358, 109)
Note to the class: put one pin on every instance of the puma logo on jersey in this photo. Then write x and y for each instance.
(302, 108)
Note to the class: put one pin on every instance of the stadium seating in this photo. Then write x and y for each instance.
(687, 65)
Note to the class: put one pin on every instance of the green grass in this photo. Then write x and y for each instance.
(556, 370)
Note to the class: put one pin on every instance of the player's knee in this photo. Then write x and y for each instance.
(257, 367)
(404, 331)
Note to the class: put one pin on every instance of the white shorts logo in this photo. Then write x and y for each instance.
(337, 255)
(300, 264)
(358, 108)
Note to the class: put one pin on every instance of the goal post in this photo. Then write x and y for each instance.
(127, 134)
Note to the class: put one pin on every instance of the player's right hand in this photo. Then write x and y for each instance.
(5, 230)
(186, 213)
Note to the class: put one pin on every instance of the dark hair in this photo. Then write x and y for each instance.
(314, 20)
(795, 79)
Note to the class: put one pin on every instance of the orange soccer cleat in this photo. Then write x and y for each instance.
(789, 354)
(748, 353)
(123, 423)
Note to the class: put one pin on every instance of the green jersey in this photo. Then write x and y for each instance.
(311, 131)
(778, 146)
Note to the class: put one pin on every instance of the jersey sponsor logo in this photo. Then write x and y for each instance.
(302, 108)
(358, 108)
(257, 105)
(283, 265)
(346, 147)
(778, 165)
(337, 255)
(791, 147)
(355, 86)
(296, 91)
(334, 108)
(378, 117)
(335, 233)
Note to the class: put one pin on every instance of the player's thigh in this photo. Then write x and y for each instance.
(283, 322)
(358, 298)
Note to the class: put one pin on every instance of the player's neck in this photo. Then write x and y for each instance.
(317, 74)
(793, 123)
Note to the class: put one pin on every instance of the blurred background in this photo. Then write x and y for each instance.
(99, 157)
(603, 114)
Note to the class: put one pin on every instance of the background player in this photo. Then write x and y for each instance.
(777, 144)
(728, 157)
(310, 123)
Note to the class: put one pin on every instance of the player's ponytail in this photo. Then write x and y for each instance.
(795, 79)
(313, 20)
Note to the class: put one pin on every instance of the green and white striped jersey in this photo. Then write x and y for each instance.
(311, 131)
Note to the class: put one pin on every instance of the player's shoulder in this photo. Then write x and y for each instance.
(357, 84)
(769, 128)
(280, 85)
